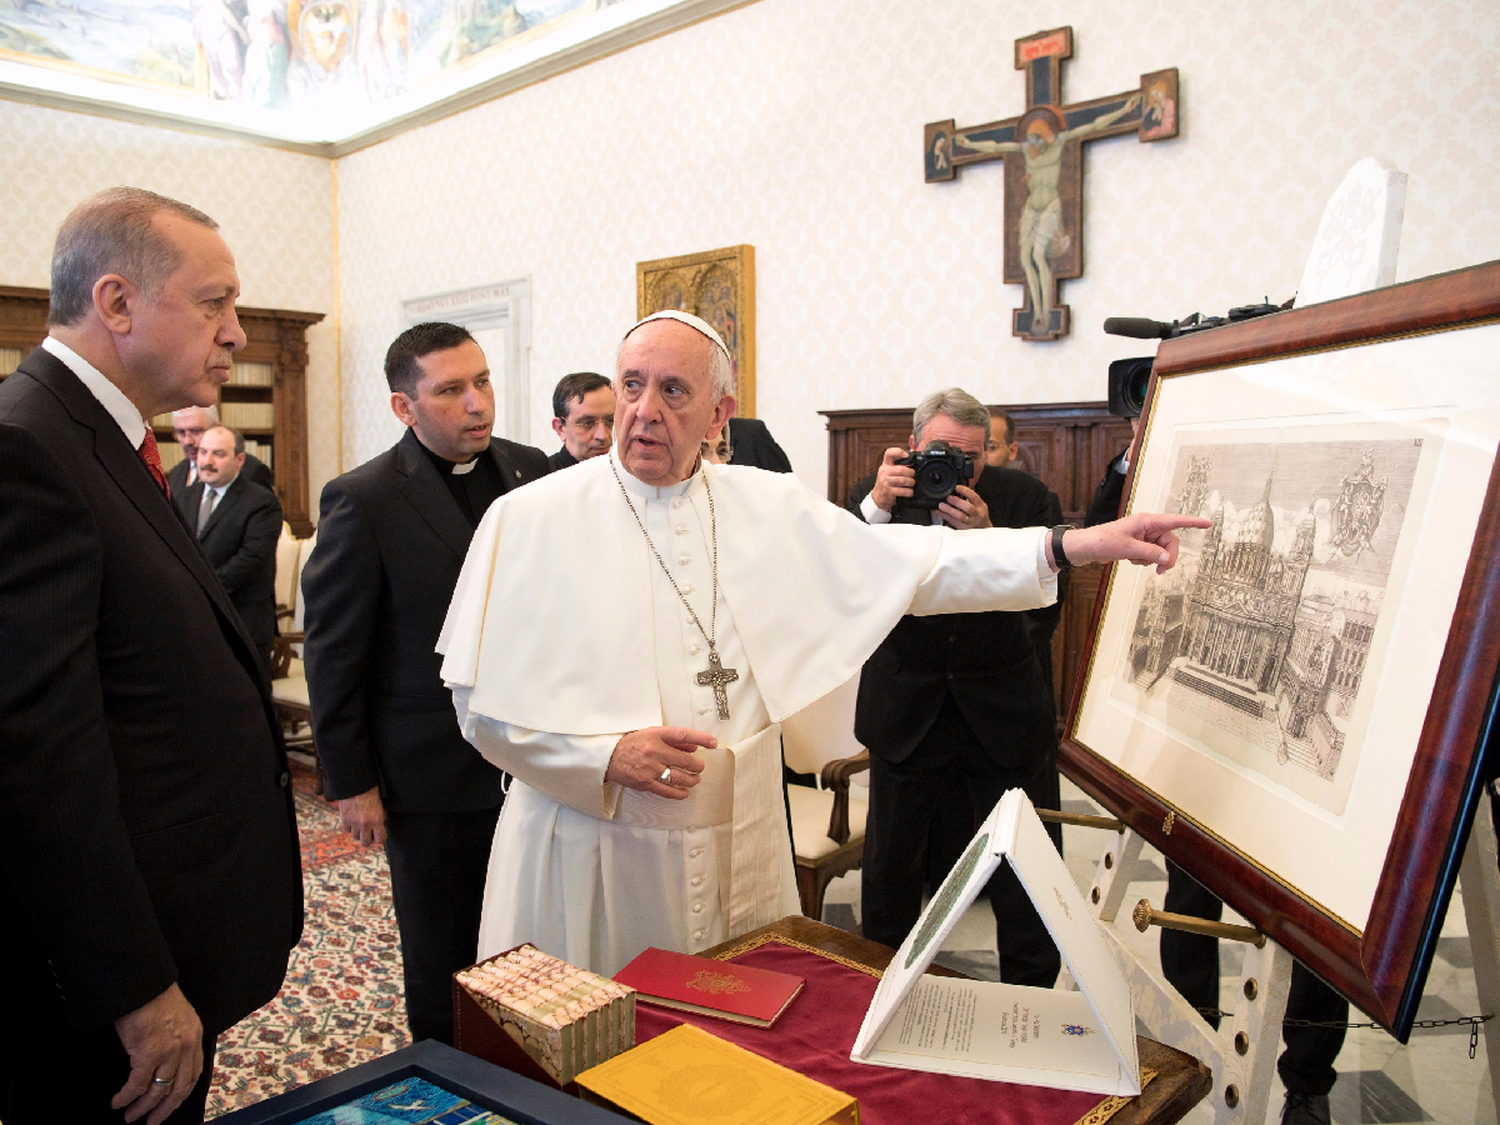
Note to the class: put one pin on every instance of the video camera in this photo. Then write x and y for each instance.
(1129, 378)
(940, 470)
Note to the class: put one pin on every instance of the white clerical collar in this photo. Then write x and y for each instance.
(651, 491)
(463, 467)
(120, 408)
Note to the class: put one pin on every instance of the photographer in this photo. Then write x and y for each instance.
(955, 708)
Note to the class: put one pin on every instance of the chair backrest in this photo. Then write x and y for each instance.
(822, 733)
(1355, 247)
(307, 549)
(288, 566)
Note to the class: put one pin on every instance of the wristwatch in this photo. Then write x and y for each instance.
(1059, 556)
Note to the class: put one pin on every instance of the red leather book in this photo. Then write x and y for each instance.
(721, 989)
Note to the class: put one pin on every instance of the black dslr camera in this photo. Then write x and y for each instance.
(940, 470)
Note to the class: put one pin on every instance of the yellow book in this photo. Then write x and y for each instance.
(687, 1076)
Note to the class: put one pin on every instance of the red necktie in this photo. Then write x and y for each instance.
(152, 457)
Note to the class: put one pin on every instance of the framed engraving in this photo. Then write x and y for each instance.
(1296, 713)
(719, 286)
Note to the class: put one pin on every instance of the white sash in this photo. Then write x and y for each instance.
(736, 783)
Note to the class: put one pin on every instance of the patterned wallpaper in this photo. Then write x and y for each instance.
(796, 126)
(274, 208)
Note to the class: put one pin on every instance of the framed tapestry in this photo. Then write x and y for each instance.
(1296, 713)
(428, 1083)
(719, 286)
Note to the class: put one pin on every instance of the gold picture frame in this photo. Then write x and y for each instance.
(719, 286)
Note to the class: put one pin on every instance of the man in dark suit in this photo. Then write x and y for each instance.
(751, 443)
(955, 704)
(583, 418)
(238, 525)
(188, 425)
(391, 539)
(148, 852)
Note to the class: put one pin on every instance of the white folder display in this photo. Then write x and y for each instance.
(1081, 1040)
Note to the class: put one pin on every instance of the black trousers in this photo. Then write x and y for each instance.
(52, 1070)
(904, 796)
(438, 866)
(1190, 963)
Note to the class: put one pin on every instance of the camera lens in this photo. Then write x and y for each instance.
(1135, 390)
(1128, 380)
(937, 479)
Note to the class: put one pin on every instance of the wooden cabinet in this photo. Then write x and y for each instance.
(266, 399)
(1068, 445)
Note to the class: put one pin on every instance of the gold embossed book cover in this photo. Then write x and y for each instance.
(711, 988)
(687, 1076)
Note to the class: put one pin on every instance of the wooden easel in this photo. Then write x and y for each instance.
(1242, 1054)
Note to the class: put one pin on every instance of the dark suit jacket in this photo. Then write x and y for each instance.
(254, 470)
(562, 459)
(1105, 505)
(750, 443)
(391, 541)
(240, 542)
(987, 662)
(146, 827)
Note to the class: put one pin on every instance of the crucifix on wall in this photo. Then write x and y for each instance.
(1043, 154)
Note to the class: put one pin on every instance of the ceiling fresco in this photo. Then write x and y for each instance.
(298, 70)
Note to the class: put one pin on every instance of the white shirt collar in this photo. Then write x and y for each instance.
(120, 408)
(651, 491)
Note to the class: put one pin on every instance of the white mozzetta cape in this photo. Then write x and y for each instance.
(551, 620)
(563, 636)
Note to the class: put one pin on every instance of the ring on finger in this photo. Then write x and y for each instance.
(163, 1081)
(666, 775)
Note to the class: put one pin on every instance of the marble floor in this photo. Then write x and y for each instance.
(1380, 1081)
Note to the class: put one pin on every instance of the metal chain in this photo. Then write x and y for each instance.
(713, 525)
(1473, 1023)
(1219, 1013)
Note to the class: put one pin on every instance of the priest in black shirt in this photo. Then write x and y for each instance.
(391, 538)
(583, 417)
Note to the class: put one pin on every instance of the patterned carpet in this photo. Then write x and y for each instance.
(341, 1002)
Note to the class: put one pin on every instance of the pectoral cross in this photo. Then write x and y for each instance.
(719, 677)
(1043, 153)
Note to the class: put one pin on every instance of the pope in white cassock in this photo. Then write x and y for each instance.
(637, 703)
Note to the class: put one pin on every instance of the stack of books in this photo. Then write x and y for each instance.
(564, 1018)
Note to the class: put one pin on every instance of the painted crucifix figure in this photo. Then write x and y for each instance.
(1043, 154)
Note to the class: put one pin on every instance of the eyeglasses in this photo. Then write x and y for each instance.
(587, 424)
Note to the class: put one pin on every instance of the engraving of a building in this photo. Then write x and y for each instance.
(1321, 675)
(1240, 608)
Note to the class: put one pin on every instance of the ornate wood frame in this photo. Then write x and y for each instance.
(719, 286)
(1383, 968)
